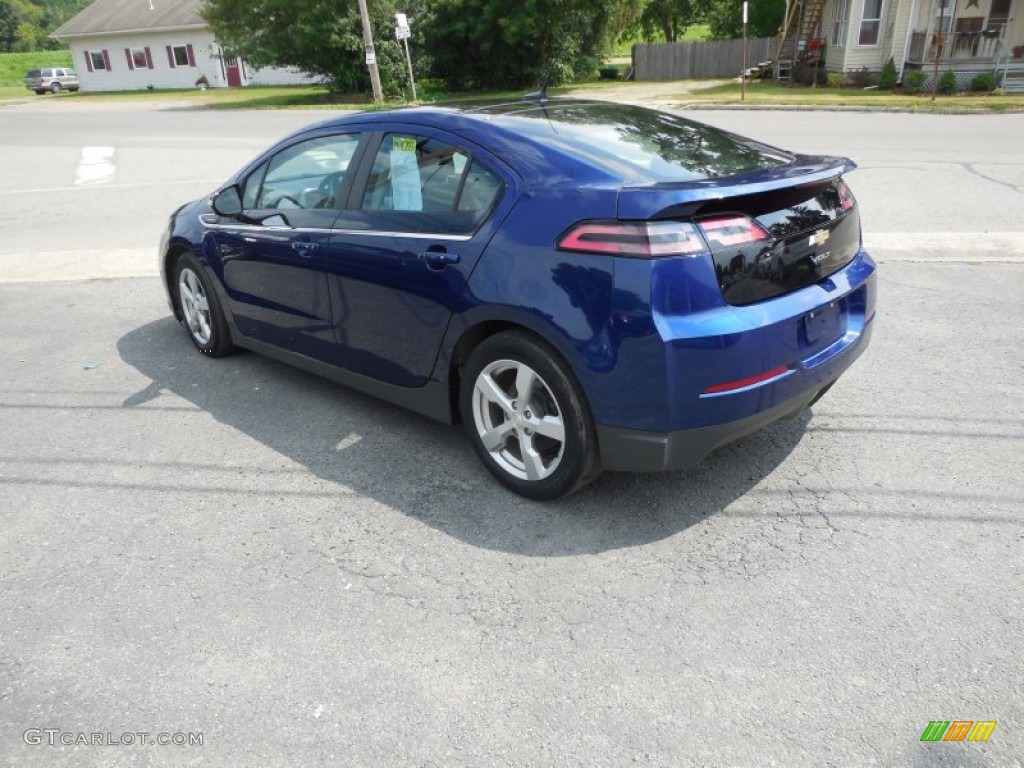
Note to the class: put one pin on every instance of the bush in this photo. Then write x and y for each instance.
(889, 76)
(914, 81)
(947, 83)
(983, 81)
(863, 77)
(608, 73)
(836, 79)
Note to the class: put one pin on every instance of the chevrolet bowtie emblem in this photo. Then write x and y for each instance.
(819, 238)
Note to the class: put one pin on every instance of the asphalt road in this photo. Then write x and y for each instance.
(307, 576)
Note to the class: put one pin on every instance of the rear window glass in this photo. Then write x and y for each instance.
(32, 73)
(643, 143)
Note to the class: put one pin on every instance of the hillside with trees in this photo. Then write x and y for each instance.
(25, 25)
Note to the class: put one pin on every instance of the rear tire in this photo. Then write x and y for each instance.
(201, 313)
(55, 88)
(527, 418)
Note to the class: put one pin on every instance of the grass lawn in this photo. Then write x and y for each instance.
(769, 93)
(14, 65)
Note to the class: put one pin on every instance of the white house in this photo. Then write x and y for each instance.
(967, 36)
(123, 45)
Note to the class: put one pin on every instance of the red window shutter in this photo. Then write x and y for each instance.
(128, 56)
(191, 56)
(149, 58)
(106, 59)
(170, 56)
(88, 61)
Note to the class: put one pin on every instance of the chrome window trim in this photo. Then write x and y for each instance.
(312, 230)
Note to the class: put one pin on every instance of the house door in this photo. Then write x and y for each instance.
(999, 15)
(234, 73)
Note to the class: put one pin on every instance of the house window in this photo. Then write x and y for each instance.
(870, 22)
(181, 56)
(139, 58)
(98, 60)
(840, 23)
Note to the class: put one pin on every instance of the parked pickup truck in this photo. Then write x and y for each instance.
(52, 79)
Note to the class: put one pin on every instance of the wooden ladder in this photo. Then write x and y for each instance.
(800, 25)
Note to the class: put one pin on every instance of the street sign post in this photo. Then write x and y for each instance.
(402, 34)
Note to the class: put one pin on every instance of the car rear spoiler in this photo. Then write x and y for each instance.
(682, 198)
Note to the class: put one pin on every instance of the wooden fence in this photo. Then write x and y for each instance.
(708, 58)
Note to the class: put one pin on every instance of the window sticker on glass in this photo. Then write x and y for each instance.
(405, 175)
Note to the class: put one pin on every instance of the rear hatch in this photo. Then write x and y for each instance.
(771, 232)
(33, 77)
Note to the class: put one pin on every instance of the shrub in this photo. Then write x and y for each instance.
(889, 76)
(836, 79)
(863, 77)
(914, 81)
(947, 83)
(983, 81)
(608, 73)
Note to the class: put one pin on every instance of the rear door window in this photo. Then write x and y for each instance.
(423, 184)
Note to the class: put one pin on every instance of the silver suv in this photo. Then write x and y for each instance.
(53, 79)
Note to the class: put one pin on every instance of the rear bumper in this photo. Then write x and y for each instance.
(632, 450)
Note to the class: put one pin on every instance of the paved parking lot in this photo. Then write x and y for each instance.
(307, 576)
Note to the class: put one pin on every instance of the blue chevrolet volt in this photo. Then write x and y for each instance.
(583, 285)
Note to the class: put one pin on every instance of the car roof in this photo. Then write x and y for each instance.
(583, 139)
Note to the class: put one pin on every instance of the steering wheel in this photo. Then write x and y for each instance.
(289, 198)
(328, 189)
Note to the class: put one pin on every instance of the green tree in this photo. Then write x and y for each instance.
(9, 19)
(499, 43)
(669, 19)
(725, 18)
(323, 37)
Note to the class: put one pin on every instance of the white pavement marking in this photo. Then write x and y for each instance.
(946, 246)
(96, 166)
(48, 266)
(927, 247)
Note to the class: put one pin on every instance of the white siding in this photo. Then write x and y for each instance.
(206, 53)
(280, 76)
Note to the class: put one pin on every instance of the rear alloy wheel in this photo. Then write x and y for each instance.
(201, 313)
(55, 87)
(528, 422)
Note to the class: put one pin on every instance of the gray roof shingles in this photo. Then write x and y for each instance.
(105, 16)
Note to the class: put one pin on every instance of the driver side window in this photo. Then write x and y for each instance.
(303, 183)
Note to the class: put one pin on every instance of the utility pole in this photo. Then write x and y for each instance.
(743, 73)
(371, 56)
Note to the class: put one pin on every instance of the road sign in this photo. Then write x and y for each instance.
(403, 33)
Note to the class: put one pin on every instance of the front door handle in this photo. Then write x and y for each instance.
(439, 259)
(304, 247)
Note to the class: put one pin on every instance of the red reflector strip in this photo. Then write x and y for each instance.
(731, 386)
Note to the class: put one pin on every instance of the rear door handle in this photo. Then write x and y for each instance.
(439, 259)
(304, 247)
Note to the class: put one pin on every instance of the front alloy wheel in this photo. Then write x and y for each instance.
(526, 417)
(195, 306)
(201, 313)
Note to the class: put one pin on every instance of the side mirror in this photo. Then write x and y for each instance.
(228, 202)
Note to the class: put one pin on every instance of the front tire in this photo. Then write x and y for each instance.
(527, 419)
(201, 313)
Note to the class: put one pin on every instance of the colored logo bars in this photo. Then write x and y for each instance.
(958, 730)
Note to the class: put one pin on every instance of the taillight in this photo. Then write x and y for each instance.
(645, 239)
(732, 230)
(845, 195)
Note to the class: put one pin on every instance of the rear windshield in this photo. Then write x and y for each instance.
(32, 73)
(640, 143)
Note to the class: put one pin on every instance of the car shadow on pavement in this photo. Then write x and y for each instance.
(428, 470)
